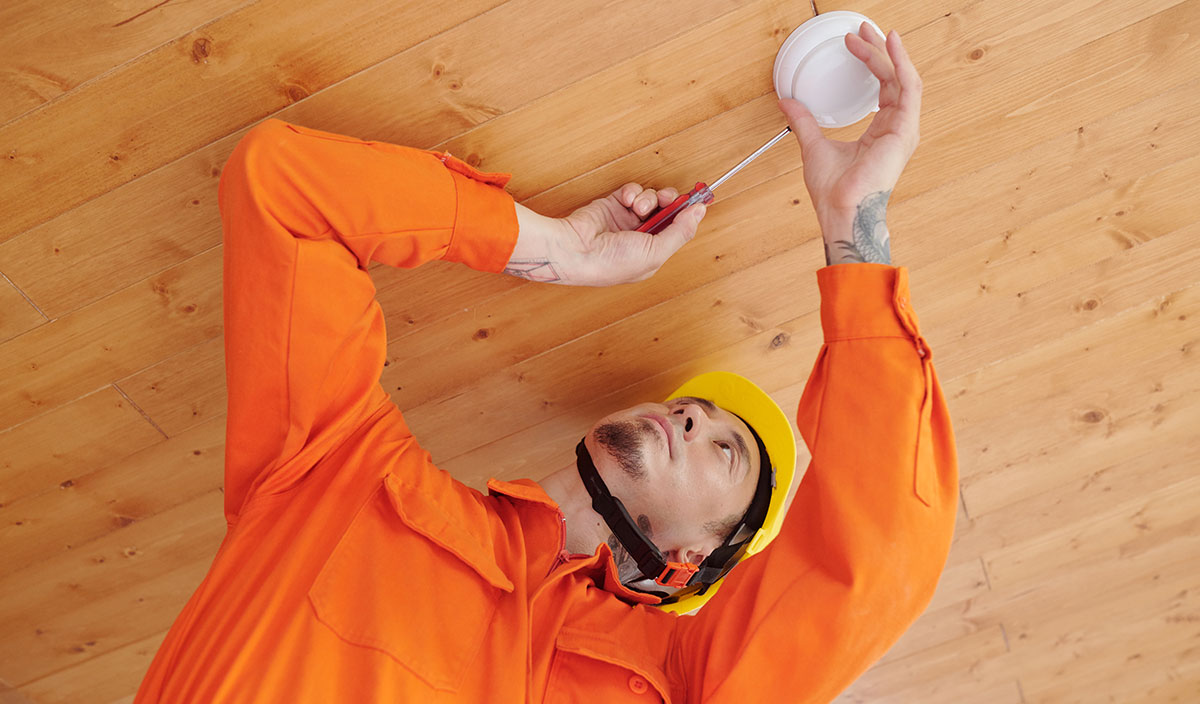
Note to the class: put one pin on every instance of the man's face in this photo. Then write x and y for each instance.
(686, 471)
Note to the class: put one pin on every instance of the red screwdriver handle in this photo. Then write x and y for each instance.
(663, 217)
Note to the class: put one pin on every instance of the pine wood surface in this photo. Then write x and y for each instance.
(1047, 220)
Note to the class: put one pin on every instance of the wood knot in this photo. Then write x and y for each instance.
(195, 202)
(66, 485)
(454, 84)
(201, 49)
(779, 340)
(1090, 304)
(482, 334)
(295, 92)
(438, 70)
(976, 55)
(1093, 416)
(473, 159)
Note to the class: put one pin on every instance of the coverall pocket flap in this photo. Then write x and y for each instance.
(590, 667)
(431, 518)
(389, 589)
(500, 180)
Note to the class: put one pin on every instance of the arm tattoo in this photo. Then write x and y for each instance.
(869, 230)
(533, 269)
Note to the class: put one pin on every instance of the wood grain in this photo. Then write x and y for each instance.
(1046, 220)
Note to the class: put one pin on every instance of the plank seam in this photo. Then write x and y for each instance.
(139, 410)
(25, 296)
(45, 105)
(125, 63)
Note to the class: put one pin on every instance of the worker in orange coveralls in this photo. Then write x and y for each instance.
(354, 570)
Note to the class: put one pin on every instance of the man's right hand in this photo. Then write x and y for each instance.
(850, 182)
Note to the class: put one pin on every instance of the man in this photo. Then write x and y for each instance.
(355, 571)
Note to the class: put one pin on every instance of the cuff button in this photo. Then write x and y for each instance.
(638, 684)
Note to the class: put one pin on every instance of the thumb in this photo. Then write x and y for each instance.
(802, 122)
(681, 231)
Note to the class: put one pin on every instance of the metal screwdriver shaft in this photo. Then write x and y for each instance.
(701, 193)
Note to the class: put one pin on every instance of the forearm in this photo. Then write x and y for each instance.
(860, 235)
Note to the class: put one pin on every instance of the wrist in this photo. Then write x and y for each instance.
(860, 235)
(539, 253)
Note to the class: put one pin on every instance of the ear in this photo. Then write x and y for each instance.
(695, 554)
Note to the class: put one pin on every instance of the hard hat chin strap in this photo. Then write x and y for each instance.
(644, 552)
(650, 561)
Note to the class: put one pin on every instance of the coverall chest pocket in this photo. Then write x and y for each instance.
(406, 582)
(587, 669)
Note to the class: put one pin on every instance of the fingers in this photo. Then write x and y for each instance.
(802, 122)
(867, 46)
(643, 201)
(681, 231)
(888, 60)
(906, 74)
(625, 194)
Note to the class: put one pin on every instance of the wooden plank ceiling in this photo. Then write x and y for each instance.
(1048, 219)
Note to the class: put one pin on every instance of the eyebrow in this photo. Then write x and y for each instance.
(711, 408)
(743, 450)
(702, 402)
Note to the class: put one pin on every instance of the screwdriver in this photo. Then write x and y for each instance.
(702, 193)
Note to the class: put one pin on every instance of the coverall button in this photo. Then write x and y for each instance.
(638, 684)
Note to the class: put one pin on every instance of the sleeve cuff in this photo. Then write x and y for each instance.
(485, 225)
(865, 300)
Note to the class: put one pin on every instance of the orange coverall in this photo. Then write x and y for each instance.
(354, 570)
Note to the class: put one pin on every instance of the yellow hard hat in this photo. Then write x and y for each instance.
(742, 397)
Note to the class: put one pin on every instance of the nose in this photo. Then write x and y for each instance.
(692, 419)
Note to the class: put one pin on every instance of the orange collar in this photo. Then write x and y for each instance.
(609, 580)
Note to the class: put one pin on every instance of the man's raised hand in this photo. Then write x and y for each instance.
(850, 182)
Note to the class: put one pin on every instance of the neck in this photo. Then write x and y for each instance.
(585, 529)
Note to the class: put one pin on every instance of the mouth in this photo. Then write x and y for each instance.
(666, 428)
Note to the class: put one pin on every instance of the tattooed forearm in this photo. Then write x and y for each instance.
(870, 240)
(533, 269)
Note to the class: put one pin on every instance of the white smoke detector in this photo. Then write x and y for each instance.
(815, 67)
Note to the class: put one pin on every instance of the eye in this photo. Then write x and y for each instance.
(728, 450)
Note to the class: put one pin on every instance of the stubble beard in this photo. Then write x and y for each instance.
(622, 440)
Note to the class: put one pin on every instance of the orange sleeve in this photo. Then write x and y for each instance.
(867, 536)
(304, 212)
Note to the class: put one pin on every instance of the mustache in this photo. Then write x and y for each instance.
(623, 441)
